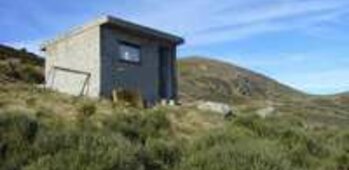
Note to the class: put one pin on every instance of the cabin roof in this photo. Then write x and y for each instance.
(113, 21)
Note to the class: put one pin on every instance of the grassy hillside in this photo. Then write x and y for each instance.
(342, 98)
(207, 79)
(43, 129)
(202, 78)
(20, 66)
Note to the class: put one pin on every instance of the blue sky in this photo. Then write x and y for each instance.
(302, 43)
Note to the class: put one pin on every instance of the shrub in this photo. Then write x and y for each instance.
(139, 126)
(244, 154)
(18, 127)
(24, 72)
(160, 154)
(87, 109)
(260, 127)
(299, 148)
(94, 151)
(17, 133)
(32, 74)
(146, 139)
(31, 101)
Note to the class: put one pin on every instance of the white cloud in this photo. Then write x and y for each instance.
(204, 22)
(279, 10)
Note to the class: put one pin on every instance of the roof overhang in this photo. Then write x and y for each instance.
(113, 21)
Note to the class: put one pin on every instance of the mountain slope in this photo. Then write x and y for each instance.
(202, 78)
(342, 98)
(43, 129)
(20, 65)
(206, 79)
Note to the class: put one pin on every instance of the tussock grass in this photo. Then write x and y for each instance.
(41, 129)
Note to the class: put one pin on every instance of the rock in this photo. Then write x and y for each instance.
(165, 102)
(221, 108)
(266, 111)
(172, 103)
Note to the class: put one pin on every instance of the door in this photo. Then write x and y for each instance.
(165, 75)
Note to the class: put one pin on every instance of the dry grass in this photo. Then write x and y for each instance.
(33, 100)
(45, 129)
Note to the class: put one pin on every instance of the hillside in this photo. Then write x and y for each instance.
(210, 80)
(20, 65)
(202, 78)
(207, 79)
(43, 129)
(344, 94)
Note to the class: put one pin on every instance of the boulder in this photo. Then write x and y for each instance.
(221, 108)
(265, 112)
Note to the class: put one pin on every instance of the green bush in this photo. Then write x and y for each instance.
(139, 126)
(87, 109)
(47, 143)
(17, 134)
(146, 139)
(32, 74)
(92, 151)
(24, 72)
(250, 142)
(244, 154)
(160, 154)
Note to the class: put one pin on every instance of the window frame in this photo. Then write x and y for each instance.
(132, 45)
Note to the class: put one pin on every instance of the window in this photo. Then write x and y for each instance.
(130, 52)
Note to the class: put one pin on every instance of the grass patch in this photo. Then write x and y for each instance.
(55, 131)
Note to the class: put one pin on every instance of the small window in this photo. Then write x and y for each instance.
(130, 52)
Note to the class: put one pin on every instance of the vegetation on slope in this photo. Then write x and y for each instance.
(40, 129)
(19, 65)
(207, 79)
(202, 78)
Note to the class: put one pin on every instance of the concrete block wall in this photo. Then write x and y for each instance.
(79, 52)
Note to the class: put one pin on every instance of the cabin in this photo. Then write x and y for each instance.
(108, 54)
